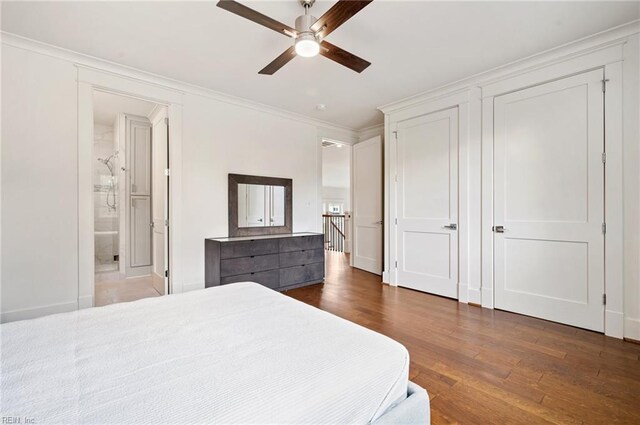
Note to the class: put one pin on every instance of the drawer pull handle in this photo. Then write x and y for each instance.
(253, 256)
(253, 272)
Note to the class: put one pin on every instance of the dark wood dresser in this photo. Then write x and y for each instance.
(279, 262)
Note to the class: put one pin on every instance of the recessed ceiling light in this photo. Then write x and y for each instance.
(321, 106)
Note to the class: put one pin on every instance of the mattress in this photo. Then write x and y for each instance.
(233, 354)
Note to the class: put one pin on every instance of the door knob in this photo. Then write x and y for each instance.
(451, 226)
(498, 229)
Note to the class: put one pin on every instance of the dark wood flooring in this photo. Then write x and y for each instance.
(485, 366)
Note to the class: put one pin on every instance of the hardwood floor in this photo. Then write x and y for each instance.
(485, 366)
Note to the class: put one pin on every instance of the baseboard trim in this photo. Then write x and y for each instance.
(614, 324)
(463, 292)
(487, 297)
(632, 329)
(475, 296)
(385, 277)
(32, 313)
(187, 287)
(85, 301)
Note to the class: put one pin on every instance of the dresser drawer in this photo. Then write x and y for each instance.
(258, 263)
(270, 279)
(302, 242)
(248, 248)
(298, 258)
(299, 274)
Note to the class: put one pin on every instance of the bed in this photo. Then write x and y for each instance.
(235, 354)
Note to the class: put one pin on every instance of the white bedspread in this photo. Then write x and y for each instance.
(238, 353)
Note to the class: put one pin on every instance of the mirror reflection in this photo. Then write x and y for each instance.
(260, 205)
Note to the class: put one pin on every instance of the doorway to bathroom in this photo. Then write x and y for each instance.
(130, 191)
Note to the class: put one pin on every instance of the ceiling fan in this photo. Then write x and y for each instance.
(309, 32)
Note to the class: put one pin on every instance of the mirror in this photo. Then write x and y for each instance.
(259, 205)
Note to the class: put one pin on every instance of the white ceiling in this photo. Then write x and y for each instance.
(106, 106)
(413, 46)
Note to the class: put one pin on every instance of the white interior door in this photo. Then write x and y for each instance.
(367, 205)
(427, 208)
(549, 201)
(140, 219)
(140, 231)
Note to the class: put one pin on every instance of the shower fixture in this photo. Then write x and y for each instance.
(111, 192)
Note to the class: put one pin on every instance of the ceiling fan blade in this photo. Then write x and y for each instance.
(338, 15)
(343, 57)
(257, 17)
(279, 62)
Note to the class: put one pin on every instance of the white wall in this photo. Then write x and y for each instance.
(220, 139)
(40, 184)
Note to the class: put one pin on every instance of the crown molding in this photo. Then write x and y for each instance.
(371, 131)
(102, 65)
(580, 47)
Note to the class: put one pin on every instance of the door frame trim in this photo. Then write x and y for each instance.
(89, 80)
(610, 60)
(468, 104)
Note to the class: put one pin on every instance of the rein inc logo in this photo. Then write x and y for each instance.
(17, 420)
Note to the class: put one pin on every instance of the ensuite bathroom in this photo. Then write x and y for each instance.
(130, 156)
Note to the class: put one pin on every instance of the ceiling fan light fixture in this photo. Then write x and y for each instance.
(307, 46)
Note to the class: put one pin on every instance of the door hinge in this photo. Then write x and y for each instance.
(604, 299)
(604, 228)
(166, 223)
(604, 157)
(604, 85)
(167, 172)
(396, 264)
(166, 273)
(396, 221)
(166, 121)
(395, 133)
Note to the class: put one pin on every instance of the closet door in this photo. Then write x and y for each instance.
(428, 203)
(549, 201)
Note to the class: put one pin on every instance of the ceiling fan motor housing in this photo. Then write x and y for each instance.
(303, 24)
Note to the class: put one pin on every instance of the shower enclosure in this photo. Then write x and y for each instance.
(106, 202)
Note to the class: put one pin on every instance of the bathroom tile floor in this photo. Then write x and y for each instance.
(117, 291)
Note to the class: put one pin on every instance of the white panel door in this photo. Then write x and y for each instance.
(140, 231)
(367, 205)
(427, 205)
(549, 200)
(140, 161)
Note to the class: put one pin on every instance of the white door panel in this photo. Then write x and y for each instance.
(428, 203)
(367, 205)
(140, 162)
(140, 231)
(549, 197)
